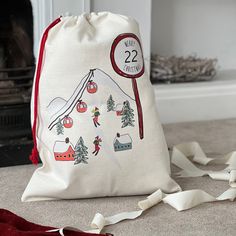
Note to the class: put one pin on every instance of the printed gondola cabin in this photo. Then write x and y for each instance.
(122, 142)
(64, 150)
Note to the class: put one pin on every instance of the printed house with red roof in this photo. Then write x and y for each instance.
(64, 150)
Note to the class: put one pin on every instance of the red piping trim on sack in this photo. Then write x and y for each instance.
(34, 157)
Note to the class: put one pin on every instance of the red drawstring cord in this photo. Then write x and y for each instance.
(34, 157)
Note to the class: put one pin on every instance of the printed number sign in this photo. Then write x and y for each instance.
(127, 60)
(127, 56)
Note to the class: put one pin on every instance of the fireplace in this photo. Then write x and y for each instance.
(16, 77)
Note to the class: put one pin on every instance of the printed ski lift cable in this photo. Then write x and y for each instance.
(84, 86)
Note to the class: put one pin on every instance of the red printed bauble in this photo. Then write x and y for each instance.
(68, 122)
(81, 107)
(92, 87)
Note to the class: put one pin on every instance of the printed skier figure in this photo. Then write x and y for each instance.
(97, 145)
(96, 114)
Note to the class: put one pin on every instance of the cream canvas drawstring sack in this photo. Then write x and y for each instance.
(94, 118)
(95, 124)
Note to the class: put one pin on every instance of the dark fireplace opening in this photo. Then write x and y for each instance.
(17, 66)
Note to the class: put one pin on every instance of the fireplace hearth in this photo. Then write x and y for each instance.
(16, 78)
(14, 103)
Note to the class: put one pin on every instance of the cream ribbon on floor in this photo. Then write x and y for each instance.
(183, 156)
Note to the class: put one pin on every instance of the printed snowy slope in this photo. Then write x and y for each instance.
(60, 108)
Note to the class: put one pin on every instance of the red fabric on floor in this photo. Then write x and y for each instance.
(13, 225)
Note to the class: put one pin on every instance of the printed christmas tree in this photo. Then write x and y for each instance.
(81, 153)
(110, 104)
(127, 118)
(60, 127)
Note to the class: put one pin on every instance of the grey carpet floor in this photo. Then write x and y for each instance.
(216, 138)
